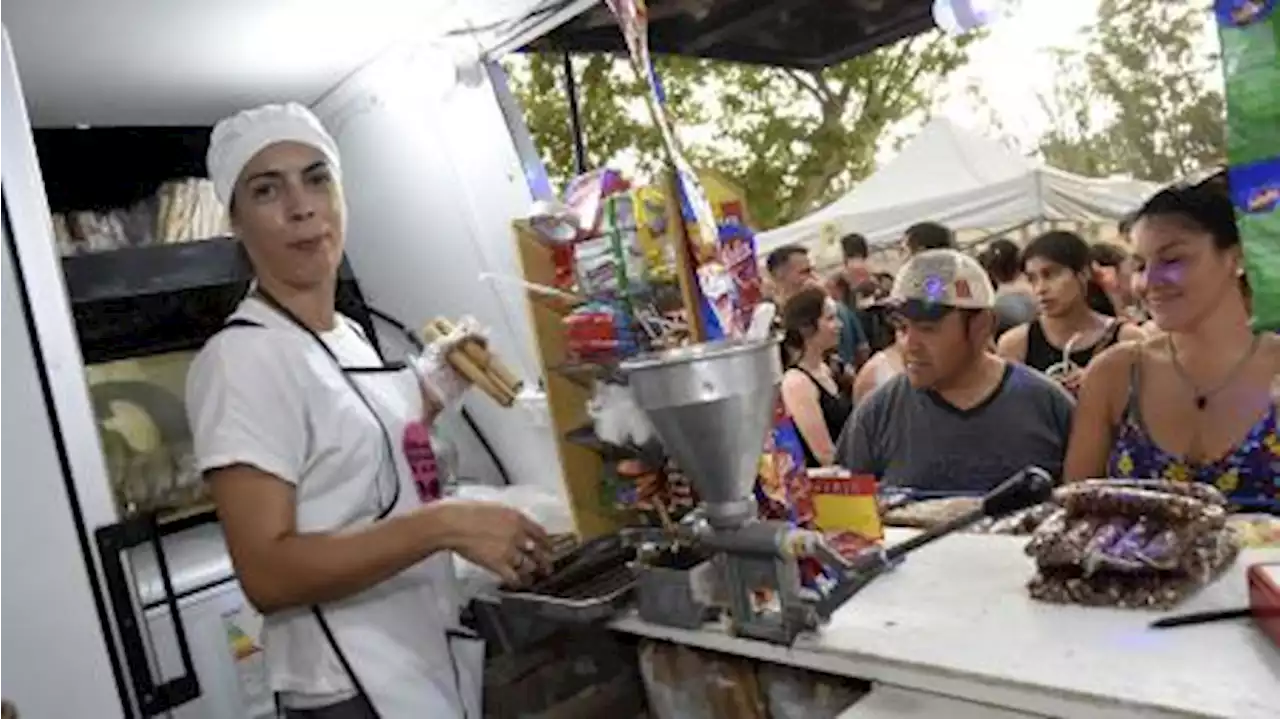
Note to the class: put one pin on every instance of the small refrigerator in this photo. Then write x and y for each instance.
(222, 630)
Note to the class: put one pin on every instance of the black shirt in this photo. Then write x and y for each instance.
(1042, 355)
(836, 409)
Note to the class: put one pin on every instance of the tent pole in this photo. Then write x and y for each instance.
(575, 117)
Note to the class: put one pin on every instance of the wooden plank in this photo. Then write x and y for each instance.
(686, 263)
(566, 398)
(568, 390)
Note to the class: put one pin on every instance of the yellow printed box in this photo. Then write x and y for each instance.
(845, 509)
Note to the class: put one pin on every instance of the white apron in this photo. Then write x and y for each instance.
(400, 642)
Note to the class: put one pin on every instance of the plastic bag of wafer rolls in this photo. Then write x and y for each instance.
(457, 356)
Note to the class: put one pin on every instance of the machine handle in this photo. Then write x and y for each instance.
(113, 541)
(1027, 488)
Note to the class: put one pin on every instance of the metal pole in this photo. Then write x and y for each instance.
(575, 117)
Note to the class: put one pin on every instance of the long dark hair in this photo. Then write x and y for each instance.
(1072, 252)
(800, 317)
(1000, 258)
(1206, 206)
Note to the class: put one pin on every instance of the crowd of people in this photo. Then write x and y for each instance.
(1088, 360)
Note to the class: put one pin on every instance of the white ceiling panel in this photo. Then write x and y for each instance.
(190, 62)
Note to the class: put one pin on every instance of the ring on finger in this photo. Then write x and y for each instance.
(528, 546)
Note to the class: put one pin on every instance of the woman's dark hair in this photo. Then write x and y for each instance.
(1001, 260)
(1206, 206)
(801, 315)
(1059, 247)
(1072, 252)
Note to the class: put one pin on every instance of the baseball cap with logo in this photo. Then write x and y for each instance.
(934, 282)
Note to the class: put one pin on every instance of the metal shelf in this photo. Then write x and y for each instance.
(142, 301)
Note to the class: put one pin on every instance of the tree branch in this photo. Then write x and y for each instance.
(907, 84)
(823, 86)
(798, 78)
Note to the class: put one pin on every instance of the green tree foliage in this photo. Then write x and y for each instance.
(793, 140)
(1139, 97)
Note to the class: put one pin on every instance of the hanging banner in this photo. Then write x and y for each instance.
(633, 17)
(1249, 31)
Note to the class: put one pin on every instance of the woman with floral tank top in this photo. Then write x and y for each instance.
(1198, 401)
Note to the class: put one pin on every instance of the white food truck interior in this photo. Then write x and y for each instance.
(432, 177)
(432, 181)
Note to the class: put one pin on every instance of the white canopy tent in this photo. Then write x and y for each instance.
(951, 175)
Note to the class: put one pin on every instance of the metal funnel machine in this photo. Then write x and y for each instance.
(711, 405)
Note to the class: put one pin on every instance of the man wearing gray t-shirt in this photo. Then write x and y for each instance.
(959, 418)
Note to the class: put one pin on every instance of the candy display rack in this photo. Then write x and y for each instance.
(570, 385)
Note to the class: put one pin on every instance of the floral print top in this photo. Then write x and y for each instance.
(1249, 475)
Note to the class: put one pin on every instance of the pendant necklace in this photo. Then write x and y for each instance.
(1202, 397)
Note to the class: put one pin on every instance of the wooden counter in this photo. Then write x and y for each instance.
(955, 620)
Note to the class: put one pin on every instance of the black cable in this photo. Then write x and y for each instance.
(416, 342)
(521, 22)
(484, 442)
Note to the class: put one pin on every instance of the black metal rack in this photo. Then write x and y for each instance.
(143, 301)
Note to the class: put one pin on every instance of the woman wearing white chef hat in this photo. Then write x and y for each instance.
(318, 456)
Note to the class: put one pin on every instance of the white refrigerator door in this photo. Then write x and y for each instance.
(54, 616)
(225, 637)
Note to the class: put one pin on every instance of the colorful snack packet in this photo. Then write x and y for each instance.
(1249, 31)
(845, 509)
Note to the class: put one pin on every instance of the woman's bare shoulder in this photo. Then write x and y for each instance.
(1120, 356)
(865, 380)
(1130, 332)
(1012, 345)
(795, 380)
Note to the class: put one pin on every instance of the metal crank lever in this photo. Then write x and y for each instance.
(1026, 488)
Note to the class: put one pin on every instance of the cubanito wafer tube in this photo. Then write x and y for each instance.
(474, 374)
(484, 359)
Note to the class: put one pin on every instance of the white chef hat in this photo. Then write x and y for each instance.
(236, 139)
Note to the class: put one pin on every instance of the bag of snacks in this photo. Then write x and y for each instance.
(599, 332)
(1250, 37)
(1127, 543)
(781, 472)
(844, 509)
(654, 235)
(585, 195)
(719, 295)
(737, 253)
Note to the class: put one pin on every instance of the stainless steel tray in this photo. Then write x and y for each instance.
(590, 583)
(610, 594)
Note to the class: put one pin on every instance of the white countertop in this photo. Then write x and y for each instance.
(887, 702)
(955, 619)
